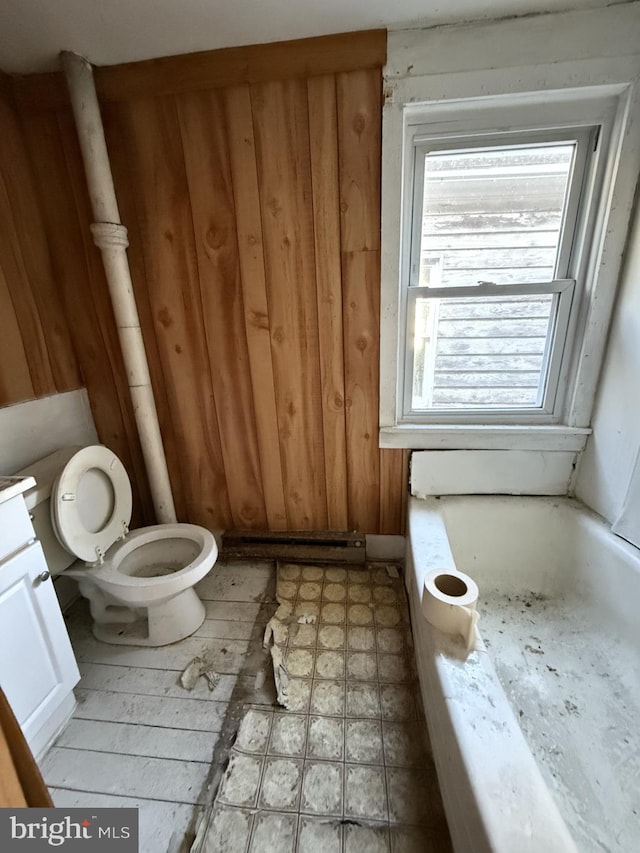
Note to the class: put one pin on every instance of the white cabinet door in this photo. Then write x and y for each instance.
(37, 666)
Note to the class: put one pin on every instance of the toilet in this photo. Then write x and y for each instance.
(139, 583)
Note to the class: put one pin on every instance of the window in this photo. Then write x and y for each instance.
(510, 154)
(504, 206)
(495, 227)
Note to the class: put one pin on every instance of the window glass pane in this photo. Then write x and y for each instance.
(493, 214)
(486, 352)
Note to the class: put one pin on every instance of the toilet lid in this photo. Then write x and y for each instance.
(91, 502)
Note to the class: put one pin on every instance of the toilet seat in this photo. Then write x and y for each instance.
(147, 589)
(113, 504)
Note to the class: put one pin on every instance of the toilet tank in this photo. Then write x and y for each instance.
(38, 503)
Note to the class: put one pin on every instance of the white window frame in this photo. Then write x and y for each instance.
(585, 179)
(608, 105)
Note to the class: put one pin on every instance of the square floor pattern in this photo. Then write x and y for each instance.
(348, 766)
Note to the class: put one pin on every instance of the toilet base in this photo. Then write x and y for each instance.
(156, 625)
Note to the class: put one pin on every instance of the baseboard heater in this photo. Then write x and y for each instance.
(321, 547)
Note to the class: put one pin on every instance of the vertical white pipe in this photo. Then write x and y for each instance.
(111, 238)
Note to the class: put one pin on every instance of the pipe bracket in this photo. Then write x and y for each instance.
(106, 234)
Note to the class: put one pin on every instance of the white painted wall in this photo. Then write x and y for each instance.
(491, 472)
(33, 32)
(31, 430)
(607, 463)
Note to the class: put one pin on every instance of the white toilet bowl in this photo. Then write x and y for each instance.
(139, 584)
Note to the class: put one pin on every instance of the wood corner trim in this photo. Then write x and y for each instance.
(212, 69)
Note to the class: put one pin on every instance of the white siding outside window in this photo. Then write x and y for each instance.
(494, 223)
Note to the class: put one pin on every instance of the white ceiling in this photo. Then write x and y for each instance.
(32, 32)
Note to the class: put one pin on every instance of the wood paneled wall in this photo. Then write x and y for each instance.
(252, 199)
(51, 340)
(36, 354)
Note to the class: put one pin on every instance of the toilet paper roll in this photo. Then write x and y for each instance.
(449, 603)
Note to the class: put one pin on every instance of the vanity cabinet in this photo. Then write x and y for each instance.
(38, 669)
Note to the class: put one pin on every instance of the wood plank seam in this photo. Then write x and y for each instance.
(206, 157)
(245, 188)
(282, 146)
(261, 202)
(324, 159)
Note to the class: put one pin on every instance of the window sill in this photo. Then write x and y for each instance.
(482, 437)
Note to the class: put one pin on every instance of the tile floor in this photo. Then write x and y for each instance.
(347, 767)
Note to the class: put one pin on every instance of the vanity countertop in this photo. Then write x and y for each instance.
(12, 486)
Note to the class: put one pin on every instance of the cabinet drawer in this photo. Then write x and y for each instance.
(15, 526)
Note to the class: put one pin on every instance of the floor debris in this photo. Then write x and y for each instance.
(277, 634)
(280, 676)
(198, 668)
(277, 627)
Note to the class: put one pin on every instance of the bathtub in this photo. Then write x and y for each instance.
(535, 733)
